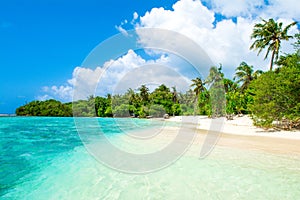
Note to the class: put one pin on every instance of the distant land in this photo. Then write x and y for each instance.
(8, 115)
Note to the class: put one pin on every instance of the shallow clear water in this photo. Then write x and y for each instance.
(44, 158)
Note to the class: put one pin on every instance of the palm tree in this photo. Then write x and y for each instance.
(270, 34)
(215, 75)
(199, 86)
(144, 94)
(245, 74)
(257, 73)
(215, 80)
(297, 43)
(131, 96)
(174, 95)
(229, 85)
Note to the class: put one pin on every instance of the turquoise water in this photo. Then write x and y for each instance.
(44, 158)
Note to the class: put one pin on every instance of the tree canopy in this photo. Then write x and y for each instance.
(269, 34)
(271, 97)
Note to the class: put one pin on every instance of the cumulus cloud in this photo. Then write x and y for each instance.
(185, 12)
(116, 77)
(121, 29)
(235, 8)
(152, 75)
(256, 8)
(44, 97)
(226, 41)
(135, 16)
(286, 9)
(63, 93)
(131, 71)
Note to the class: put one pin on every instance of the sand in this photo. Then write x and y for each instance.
(238, 126)
(240, 133)
(194, 131)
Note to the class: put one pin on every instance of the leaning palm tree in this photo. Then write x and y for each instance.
(199, 86)
(229, 85)
(174, 95)
(270, 34)
(245, 74)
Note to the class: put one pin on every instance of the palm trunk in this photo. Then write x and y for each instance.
(196, 106)
(272, 60)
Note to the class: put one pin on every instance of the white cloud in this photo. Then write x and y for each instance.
(122, 30)
(185, 12)
(44, 97)
(227, 42)
(152, 75)
(254, 8)
(286, 9)
(63, 93)
(84, 81)
(234, 8)
(131, 71)
(135, 16)
(116, 76)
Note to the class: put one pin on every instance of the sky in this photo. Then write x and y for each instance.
(47, 47)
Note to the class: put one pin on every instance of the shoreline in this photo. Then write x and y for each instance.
(241, 126)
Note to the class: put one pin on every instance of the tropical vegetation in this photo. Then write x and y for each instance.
(45, 108)
(269, 34)
(272, 98)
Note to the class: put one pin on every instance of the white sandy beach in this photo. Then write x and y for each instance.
(242, 134)
(239, 133)
(238, 126)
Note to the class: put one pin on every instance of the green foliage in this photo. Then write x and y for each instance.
(144, 94)
(45, 108)
(187, 102)
(290, 60)
(121, 111)
(216, 91)
(297, 43)
(204, 103)
(244, 75)
(103, 107)
(157, 110)
(108, 112)
(163, 96)
(269, 34)
(176, 108)
(268, 97)
(84, 108)
(198, 86)
(236, 102)
(276, 96)
(143, 112)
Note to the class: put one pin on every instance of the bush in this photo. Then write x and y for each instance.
(276, 96)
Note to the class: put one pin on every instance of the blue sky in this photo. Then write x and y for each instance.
(42, 42)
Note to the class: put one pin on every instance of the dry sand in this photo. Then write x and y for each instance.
(241, 133)
(238, 126)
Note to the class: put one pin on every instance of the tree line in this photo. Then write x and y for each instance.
(270, 97)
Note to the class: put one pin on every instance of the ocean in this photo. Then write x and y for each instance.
(46, 158)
